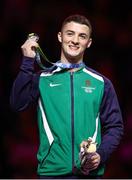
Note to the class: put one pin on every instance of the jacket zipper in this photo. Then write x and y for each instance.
(72, 118)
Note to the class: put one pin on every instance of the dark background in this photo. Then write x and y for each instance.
(110, 54)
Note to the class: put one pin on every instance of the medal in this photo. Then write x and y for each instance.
(87, 148)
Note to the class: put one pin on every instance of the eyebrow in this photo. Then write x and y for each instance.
(84, 34)
(69, 31)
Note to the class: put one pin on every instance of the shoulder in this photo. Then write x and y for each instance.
(107, 83)
(97, 75)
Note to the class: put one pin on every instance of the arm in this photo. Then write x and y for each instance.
(111, 121)
(112, 129)
(25, 87)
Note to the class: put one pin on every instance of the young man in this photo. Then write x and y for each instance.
(75, 103)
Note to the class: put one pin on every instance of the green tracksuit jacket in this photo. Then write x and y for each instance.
(68, 113)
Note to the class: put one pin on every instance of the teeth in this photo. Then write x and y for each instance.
(73, 47)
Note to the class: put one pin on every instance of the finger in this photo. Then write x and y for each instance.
(95, 156)
(83, 144)
(91, 166)
(92, 161)
(29, 43)
(28, 48)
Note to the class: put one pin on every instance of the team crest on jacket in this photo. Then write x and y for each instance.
(87, 83)
(88, 88)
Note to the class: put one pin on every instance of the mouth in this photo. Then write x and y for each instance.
(73, 47)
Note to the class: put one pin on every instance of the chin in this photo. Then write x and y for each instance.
(73, 59)
(73, 55)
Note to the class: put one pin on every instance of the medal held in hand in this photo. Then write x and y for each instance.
(87, 148)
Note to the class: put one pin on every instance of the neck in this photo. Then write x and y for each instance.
(65, 61)
(70, 61)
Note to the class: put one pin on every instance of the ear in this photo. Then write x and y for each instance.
(59, 37)
(89, 43)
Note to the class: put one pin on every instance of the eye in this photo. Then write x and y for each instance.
(69, 33)
(82, 36)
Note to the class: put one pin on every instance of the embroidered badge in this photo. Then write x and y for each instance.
(88, 88)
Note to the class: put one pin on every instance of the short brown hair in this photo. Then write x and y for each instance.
(78, 19)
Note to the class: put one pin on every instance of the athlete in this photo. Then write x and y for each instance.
(74, 104)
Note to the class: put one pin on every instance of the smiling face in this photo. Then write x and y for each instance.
(74, 38)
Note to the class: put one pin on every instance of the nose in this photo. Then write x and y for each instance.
(75, 39)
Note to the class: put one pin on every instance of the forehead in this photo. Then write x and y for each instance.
(76, 27)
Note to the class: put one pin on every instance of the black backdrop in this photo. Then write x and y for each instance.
(109, 54)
